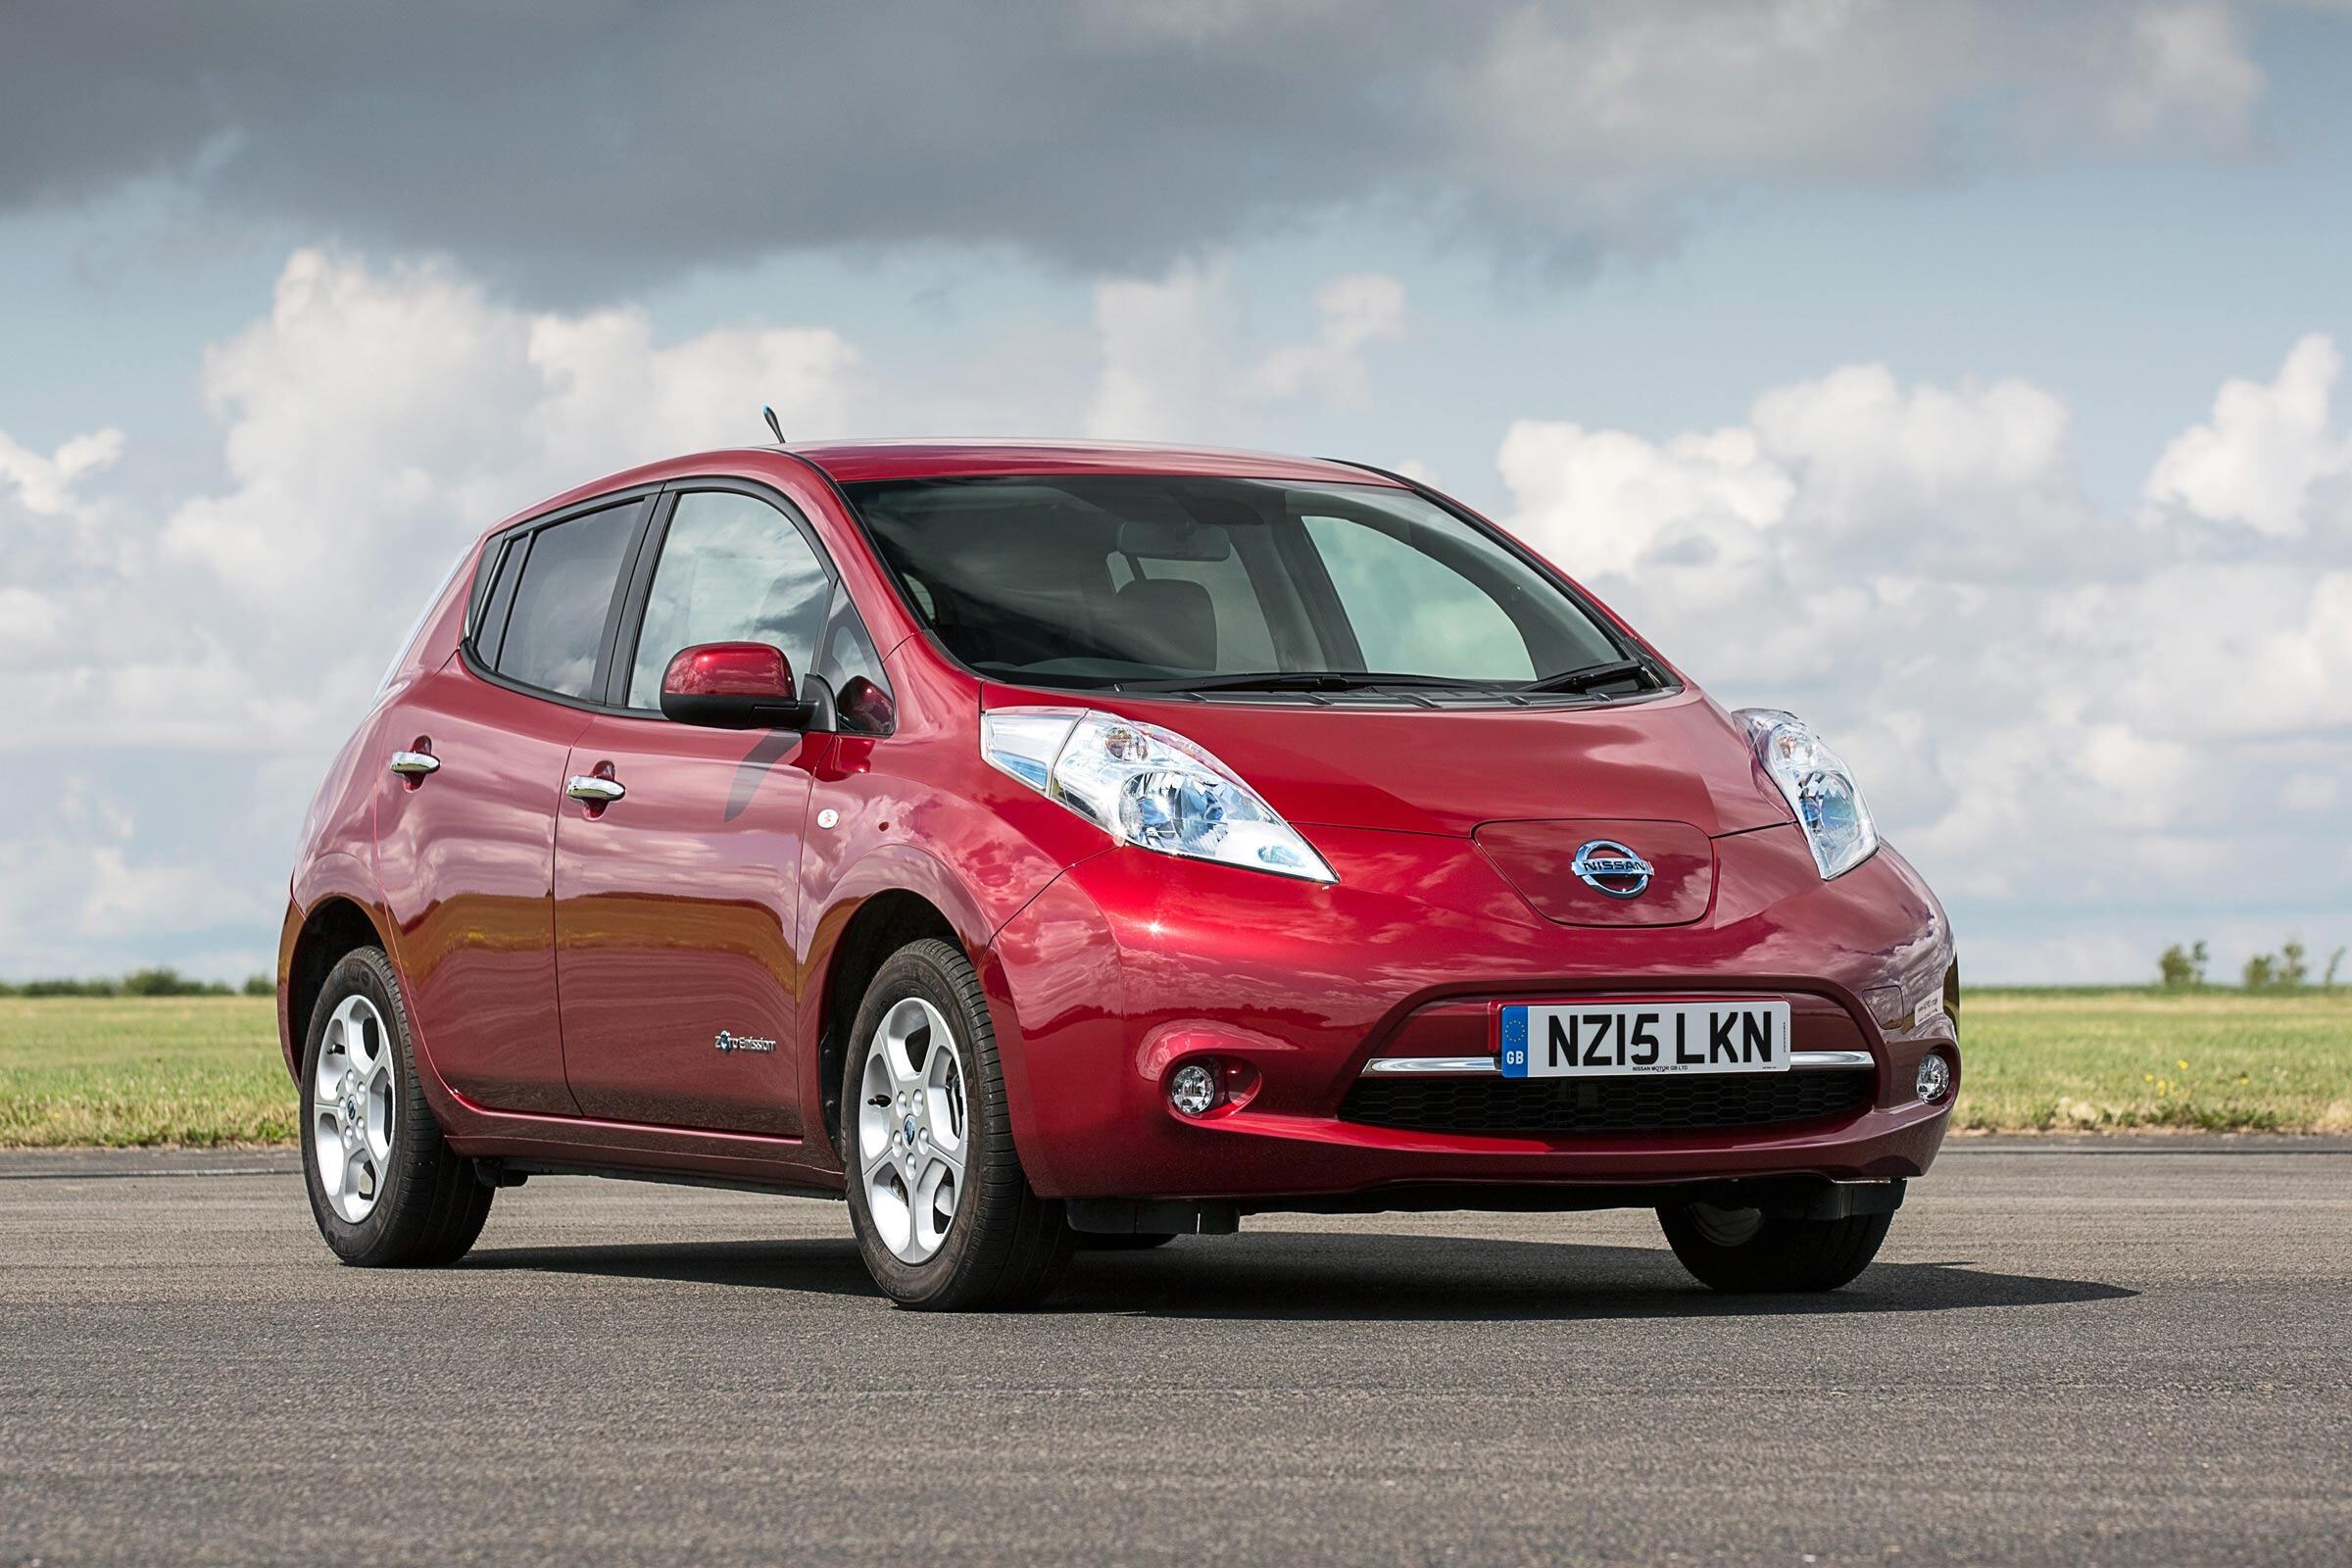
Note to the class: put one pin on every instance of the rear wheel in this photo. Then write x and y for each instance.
(944, 1215)
(1746, 1252)
(385, 1188)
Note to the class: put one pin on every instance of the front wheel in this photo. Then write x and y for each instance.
(944, 1215)
(385, 1188)
(1746, 1252)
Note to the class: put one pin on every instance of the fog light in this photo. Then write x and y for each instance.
(1934, 1076)
(1193, 1089)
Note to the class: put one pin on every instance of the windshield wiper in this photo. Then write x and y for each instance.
(1302, 680)
(1592, 675)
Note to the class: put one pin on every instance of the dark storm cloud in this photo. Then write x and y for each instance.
(591, 144)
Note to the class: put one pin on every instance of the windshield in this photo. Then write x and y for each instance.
(1163, 582)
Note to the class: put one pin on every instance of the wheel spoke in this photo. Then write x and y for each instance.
(902, 1026)
(934, 1190)
(332, 1158)
(950, 1158)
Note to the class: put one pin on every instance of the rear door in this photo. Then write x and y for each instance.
(679, 975)
(466, 849)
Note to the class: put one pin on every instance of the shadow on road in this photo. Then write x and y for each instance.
(1323, 1275)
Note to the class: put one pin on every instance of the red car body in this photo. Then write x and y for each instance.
(566, 964)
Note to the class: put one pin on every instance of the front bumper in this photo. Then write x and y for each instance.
(1130, 963)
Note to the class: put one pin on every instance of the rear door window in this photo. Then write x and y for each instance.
(563, 598)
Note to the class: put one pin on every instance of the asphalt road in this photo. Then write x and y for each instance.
(2134, 1352)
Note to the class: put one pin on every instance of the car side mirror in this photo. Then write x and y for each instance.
(733, 686)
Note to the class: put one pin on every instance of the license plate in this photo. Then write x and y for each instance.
(1622, 1039)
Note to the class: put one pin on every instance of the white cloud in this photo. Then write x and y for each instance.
(2269, 448)
(378, 416)
(76, 890)
(1354, 311)
(45, 486)
(2184, 75)
(1620, 117)
(2052, 708)
(602, 376)
(1177, 363)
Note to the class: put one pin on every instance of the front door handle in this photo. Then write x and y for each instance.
(414, 764)
(594, 790)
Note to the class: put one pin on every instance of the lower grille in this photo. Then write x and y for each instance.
(1644, 1104)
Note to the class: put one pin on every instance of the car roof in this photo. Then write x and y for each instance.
(853, 461)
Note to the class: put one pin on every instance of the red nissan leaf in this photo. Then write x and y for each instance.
(1053, 846)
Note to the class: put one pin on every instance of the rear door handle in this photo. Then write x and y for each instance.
(414, 764)
(595, 790)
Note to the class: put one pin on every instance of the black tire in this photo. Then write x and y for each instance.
(1746, 1253)
(1123, 1241)
(427, 1205)
(1005, 1246)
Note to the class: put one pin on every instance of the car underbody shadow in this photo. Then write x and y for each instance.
(830, 1266)
(1308, 1275)
(1335, 1275)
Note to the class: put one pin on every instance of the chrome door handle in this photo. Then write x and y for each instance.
(595, 790)
(414, 764)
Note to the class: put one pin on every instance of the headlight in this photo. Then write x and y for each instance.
(1818, 788)
(1146, 786)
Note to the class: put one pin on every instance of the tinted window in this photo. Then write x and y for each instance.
(1096, 580)
(565, 591)
(490, 624)
(733, 569)
(1215, 610)
(1410, 610)
(848, 654)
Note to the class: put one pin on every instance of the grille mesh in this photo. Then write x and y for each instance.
(1603, 1105)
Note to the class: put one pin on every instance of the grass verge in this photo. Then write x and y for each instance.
(2203, 1060)
(128, 1071)
(203, 1072)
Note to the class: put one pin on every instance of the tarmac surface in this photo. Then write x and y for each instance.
(2121, 1351)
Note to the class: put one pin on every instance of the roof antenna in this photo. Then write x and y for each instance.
(774, 423)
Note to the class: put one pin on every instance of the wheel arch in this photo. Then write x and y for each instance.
(880, 925)
(896, 893)
(333, 928)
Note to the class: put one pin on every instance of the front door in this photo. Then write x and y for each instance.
(675, 899)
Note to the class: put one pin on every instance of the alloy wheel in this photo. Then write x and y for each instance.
(350, 1108)
(912, 1137)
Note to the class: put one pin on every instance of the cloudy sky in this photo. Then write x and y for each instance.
(1967, 377)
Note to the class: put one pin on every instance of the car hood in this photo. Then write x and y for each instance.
(1678, 759)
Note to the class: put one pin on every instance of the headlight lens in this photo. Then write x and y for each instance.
(1818, 788)
(1146, 786)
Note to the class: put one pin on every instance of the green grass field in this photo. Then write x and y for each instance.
(2204, 1060)
(202, 1072)
(193, 1071)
